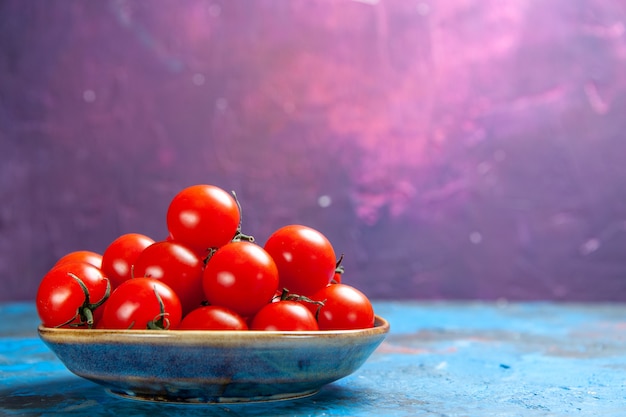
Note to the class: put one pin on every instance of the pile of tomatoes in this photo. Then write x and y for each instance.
(206, 275)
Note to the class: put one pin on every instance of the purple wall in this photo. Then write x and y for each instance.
(450, 149)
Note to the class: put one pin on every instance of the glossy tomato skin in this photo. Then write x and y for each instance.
(177, 266)
(134, 304)
(213, 318)
(121, 254)
(345, 308)
(284, 316)
(304, 257)
(90, 257)
(203, 216)
(240, 276)
(60, 297)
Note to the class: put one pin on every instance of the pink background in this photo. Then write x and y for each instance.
(451, 149)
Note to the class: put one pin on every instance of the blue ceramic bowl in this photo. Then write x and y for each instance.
(213, 366)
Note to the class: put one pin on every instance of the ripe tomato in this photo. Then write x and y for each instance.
(240, 276)
(213, 318)
(344, 308)
(69, 293)
(284, 316)
(141, 303)
(87, 256)
(177, 266)
(305, 258)
(202, 217)
(120, 256)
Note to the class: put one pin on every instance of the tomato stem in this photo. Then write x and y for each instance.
(160, 321)
(210, 253)
(339, 269)
(243, 237)
(239, 236)
(106, 295)
(286, 296)
(82, 287)
(85, 311)
(87, 316)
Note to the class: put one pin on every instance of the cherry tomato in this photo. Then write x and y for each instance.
(177, 266)
(213, 318)
(344, 308)
(87, 256)
(284, 316)
(304, 257)
(69, 293)
(240, 276)
(121, 254)
(141, 303)
(203, 216)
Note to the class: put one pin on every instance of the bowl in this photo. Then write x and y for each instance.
(198, 366)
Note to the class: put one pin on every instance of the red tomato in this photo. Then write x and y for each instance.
(69, 293)
(213, 318)
(284, 316)
(177, 266)
(120, 256)
(305, 258)
(141, 303)
(344, 308)
(240, 276)
(87, 256)
(202, 217)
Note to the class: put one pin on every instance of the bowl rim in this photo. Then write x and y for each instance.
(65, 335)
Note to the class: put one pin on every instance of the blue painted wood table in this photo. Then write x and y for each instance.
(440, 359)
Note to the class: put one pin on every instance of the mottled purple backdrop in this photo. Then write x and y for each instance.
(451, 149)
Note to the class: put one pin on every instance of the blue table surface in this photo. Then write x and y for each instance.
(440, 359)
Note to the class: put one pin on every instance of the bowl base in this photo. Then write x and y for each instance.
(210, 400)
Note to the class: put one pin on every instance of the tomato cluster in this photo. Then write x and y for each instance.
(206, 275)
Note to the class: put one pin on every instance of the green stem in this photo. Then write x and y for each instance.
(160, 321)
(210, 253)
(239, 236)
(106, 295)
(285, 296)
(338, 267)
(85, 311)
